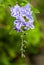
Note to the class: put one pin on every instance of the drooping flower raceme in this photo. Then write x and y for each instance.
(24, 19)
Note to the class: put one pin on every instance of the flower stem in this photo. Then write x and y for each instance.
(22, 45)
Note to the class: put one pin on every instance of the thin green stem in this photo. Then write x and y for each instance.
(22, 45)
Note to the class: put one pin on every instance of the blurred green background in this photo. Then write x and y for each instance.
(10, 41)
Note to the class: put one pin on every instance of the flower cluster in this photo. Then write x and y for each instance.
(24, 19)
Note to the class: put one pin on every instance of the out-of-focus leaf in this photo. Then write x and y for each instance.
(4, 59)
(22, 2)
(11, 2)
(12, 53)
(0, 1)
(35, 10)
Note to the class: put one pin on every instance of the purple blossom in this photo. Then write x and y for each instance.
(19, 23)
(26, 11)
(19, 13)
(29, 25)
(15, 11)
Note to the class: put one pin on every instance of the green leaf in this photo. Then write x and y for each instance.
(22, 2)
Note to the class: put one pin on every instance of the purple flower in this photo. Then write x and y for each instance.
(26, 11)
(21, 14)
(19, 23)
(29, 25)
(17, 26)
(15, 11)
